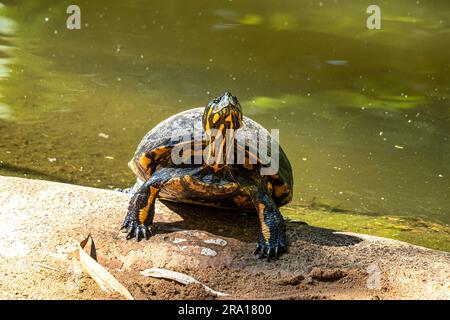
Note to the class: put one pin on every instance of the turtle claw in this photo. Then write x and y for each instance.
(137, 236)
(130, 232)
(143, 230)
(138, 232)
(270, 250)
(133, 229)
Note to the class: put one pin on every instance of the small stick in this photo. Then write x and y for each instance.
(178, 277)
(44, 266)
(100, 275)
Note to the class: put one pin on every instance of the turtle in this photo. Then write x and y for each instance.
(182, 160)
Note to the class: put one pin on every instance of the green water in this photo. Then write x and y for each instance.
(364, 115)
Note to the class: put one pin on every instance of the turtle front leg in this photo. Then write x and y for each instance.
(141, 210)
(272, 242)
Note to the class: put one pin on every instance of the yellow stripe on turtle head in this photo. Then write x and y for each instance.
(230, 120)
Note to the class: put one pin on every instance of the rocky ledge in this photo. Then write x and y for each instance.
(42, 223)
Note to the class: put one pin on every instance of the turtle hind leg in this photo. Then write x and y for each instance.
(272, 242)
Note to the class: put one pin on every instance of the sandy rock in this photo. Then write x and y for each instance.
(42, 222)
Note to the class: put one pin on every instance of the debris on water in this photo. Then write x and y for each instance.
(103, 135)
(399, 147)
(109, 157)
(52, 160)
(440, 175)
(337, 62)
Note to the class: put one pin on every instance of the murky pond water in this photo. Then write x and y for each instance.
(364, 115)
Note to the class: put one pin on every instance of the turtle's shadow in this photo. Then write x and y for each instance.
(245, 226)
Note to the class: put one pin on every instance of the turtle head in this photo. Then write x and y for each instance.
(222, 113)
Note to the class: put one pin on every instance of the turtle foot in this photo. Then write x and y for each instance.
(134, 229)
(272, 249)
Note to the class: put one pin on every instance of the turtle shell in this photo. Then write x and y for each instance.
(179, 127)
